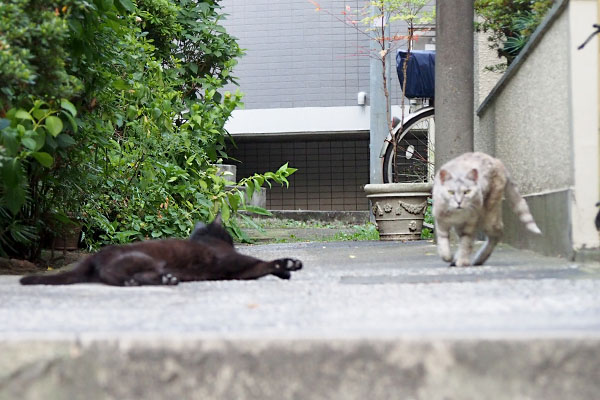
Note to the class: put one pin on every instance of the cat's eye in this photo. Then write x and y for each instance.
(451, 192)
(467, 191)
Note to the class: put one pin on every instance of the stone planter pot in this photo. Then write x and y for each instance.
(399, 208)
(259, 198)
(67, 238)
(229, 171)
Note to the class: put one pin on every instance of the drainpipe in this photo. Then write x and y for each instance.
(454, 79)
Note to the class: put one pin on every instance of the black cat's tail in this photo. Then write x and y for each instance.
(81, 273)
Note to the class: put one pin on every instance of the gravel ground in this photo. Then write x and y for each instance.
(346, 289)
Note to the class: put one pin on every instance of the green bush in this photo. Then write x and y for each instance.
(114, 116)
(510, 24)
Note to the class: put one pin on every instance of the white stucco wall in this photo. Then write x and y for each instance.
(584, 99)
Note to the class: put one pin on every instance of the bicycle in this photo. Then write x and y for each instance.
(415, 139)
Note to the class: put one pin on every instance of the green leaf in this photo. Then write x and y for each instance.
(234, 200)
(40, 138)
(65, 140)
(43, 158)
(22, 114)
(4, 123)
(249, 189)
(67, 105)
(29, 143)
(40, 113)
(15, 198)
(258, 210)
(51, 142)
(106, 4)
(76, 27)
(131, 112)
(197, 118)
(71, 120)
(12, 173)
(225, 211)
(120, 84)
(251, 223)
(126, 5)
(54, 125)
(8, 138)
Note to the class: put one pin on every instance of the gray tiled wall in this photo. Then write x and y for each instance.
(298, 57)
(331, 174)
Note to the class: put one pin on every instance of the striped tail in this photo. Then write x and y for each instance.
(519, 206)
(81, 273)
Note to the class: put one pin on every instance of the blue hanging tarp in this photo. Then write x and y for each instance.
(420, 75)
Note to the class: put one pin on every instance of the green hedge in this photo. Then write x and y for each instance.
(114, 115)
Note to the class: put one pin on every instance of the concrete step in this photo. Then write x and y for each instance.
(166, 367)
(361, 320)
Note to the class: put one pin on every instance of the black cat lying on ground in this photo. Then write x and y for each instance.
(207, 255)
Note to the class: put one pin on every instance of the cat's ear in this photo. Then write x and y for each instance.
(473, 175)
(218, 220)
(444, 176)
(199, 230)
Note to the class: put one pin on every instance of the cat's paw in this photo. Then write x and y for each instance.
(288, 264)
(447, 257)
(462, 263)
(444, 252)
(131, 282)
(168, 279)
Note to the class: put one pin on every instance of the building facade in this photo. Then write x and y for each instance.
(304, 74)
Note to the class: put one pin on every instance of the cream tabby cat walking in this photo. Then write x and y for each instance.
(467, 196)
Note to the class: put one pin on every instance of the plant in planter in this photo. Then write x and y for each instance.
(398, 207)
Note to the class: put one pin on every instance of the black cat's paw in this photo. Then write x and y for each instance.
(283, 266)
(131, 282)
(168, 279)
(288, 264)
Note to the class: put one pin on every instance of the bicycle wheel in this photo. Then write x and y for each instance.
(415, 155)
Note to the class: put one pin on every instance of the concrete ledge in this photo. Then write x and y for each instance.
(171, 368)
(552, 214)
(353, 217)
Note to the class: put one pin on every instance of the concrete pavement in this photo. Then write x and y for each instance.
(361, 320)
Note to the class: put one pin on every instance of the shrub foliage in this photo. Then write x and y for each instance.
(113, 114)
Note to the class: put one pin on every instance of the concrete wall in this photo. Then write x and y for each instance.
(541, 120)
(485, 80)
(530, 114)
